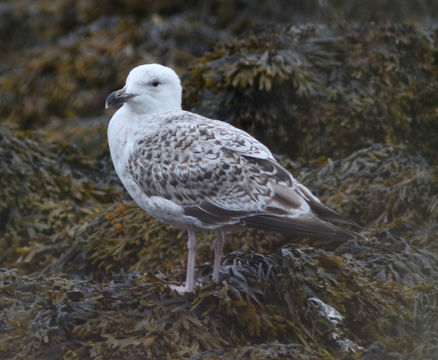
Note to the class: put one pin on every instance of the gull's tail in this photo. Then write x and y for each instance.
(306, 225)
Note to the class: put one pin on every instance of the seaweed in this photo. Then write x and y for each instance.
(290, 301)
(45, 187)
(349, 108)
(282, 297)
(317, 90)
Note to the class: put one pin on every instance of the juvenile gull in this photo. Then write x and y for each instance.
(202, 174)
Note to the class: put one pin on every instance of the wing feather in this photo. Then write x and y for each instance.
(222, 176)
(303, 226)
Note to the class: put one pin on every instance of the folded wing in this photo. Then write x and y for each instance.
(223, 177)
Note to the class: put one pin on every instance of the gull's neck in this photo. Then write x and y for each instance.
(152, 106)
(126, 124)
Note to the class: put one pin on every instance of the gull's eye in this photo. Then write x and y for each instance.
(155, 83)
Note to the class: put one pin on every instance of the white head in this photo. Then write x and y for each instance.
(149, 89)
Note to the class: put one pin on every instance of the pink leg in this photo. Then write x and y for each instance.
(190, 276)
(218, 246)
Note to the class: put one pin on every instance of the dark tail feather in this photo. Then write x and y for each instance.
(304, 226)
(327, 214)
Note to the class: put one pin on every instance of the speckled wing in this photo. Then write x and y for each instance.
(222, 176)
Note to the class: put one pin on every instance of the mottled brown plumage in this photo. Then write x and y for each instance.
(203, 174)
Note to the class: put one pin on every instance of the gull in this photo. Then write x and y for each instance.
(202, 174)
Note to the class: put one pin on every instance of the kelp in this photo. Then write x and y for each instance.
(295, 301)
(86, 272)
(72, 62)
(378, 187)
(44, 189)
(62, 59)
(424, 321)
(283, 297)
(318, 90)
(384, 188)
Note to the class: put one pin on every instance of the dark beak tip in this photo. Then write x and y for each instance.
(115, 99)
(108, 104)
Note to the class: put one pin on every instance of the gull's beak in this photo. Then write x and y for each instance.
(117, 98)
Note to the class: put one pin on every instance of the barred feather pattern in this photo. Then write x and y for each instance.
(203, 174)
(220, 175)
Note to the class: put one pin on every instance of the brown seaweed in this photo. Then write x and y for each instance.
(349, 107)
